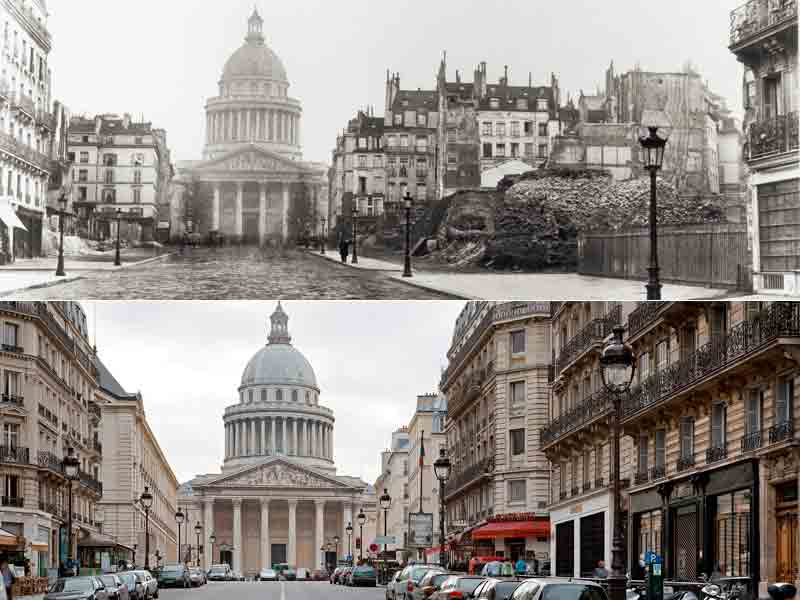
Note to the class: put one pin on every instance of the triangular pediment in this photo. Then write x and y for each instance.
(252, 159)
(277, 473)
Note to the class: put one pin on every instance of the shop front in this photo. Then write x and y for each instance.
(28, 243)
(97, 554)
(701, 524)
(581, 536)
(513, 536)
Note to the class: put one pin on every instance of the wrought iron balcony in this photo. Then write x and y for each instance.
(597, 404)
(658, 472)
(599, 483)
(645, 313)
(475, 472)
(50, 461)
(13, 501)
(562, 495)
(12, 348)
(594, 332)
(779, 320)
(684, 463)
(781, 431)
(90, 482)
(757, 16)
(20, 150)
(574, 491)
(15, 455)
(641, 476)
(13, 399)
(752, 441)
(716, 454)
(774, 136)
(24, 104)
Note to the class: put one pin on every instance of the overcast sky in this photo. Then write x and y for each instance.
(164, 58)
(371, 360)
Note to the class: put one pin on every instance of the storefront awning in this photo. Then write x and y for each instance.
(99, 541)
(39, 546)
(512, 529)
(8, 539)
(9, 217)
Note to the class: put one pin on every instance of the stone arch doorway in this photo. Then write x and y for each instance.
(226, 557)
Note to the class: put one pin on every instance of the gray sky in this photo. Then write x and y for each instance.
(164, 58)
(371, 360)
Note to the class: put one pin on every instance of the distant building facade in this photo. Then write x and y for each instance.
(395, 469)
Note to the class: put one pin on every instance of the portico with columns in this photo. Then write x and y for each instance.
(278, 497)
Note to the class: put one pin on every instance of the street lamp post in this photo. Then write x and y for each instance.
(653, 154)
(386, 503)
(62, 201)
(147, 502)
(324, 240)
(71, 466)
(441, 467)
(324, 558)
(212, 539)
(617, 366)
(134, 553)
(179, 518)
(349, 530)
(355, 235)
(407, 267)
(198, 529)
(117, 259)
(361, 518)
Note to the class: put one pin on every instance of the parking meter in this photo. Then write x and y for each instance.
(654, 580)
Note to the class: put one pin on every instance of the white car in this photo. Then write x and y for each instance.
(268, 575)
(303, 574)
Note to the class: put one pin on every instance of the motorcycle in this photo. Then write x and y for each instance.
(782, 591)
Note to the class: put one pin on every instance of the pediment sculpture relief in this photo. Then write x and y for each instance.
(251, 161)
(281, 476)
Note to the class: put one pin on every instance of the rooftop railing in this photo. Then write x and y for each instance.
(756, 16)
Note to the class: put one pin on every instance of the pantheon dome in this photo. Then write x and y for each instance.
(278, 411)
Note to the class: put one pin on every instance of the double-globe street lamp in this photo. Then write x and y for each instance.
(408, 203)
(71, 466)
(146, 499)
(361, 518)
(179, 519)
(355, 235)
(386, 503)
(349, 530)
(198, 529)
(62, 202)
(441, 468)
(617, 366)
(653, 155)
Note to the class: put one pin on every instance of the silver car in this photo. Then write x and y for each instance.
(268, 575)
(149, 582)
(560, 588)
(406, 583)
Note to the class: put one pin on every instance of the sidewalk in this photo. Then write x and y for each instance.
(527, 286)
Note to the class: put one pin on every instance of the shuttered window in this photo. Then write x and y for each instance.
(687, 437)
(644, 366)
(753, 411)
(662, 355)
(661, 448)
(784, 400)
(718, 414)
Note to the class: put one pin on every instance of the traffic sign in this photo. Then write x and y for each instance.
(385, 539)
(373, 547)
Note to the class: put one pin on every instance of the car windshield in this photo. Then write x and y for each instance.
(437, 579)
(417, 573)
(468, 584)
(171, 569)
(73, 584)
(573, 591)
(365, 570)
(504, 589)
(128, 578)
(217, 569)
(109, 580)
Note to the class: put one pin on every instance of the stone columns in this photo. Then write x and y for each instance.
(330, 442)
(292, 546)
(312, 438)
(227, 441)
(248, 133)
(317, 439)
(284, 445)
(215, 208)
(262, 212)
(295, 423)
(319, 526)
(237, 449)
(324, 432)
(285, 212)
(264, 437)
(272, 439)
(237, 534)
(266, 560)
(208, 513)
(239, 207)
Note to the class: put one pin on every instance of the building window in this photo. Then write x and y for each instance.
(486, 128)
(516, 490)
(10, 435)
(517, 393)
(753, 408)
(279, 395)
(661, 449)
(84, 157)
(137, 196)
(718, 418)
(487, 151)
(687, 438)
(644, 366)
(514, 150)
(541, 104)
(500, 128)
(562, 479)
(82, 194)
(598, 465)
(528, 128)
(514, 128)
(11, 383)
(732, 533)
(542, 129)
(362, 161)
(517, 442)
(138, 141)
(10, 331)
(501, 151)
(250, 396)
(109, 160)
(662, 355)
(784, 400)
(528, 150)
(542, 151)
(518, 342)
(83, 176)
(108, 176)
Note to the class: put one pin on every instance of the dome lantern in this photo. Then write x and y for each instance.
(255, 28)
(280, 327)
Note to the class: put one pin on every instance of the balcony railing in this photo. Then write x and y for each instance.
(12, 146)
(752, 441)
(90, 482)
(587, 410)
(574, 491)
(24, 103)
(50, 461)
(472, 473)
(658, 472)
(599, 483)
(644, 314)
(641, 476)
(15, 455)
(777, 321)
(781, 431)
(562, 495)
(773, 136)
(684, 463)
(12, 348)
(595, 331)
(13, 501)
(12, 399)
(716, 454)
(758, 15)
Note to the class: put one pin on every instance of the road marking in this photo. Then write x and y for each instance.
(283, 590)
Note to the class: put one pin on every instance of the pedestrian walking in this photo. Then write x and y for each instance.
(521, 567)
(344, 249)
(600, 571)
(8, 576)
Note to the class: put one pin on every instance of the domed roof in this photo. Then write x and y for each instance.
(255, 58)
(279, 362)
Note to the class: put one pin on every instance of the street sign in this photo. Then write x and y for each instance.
(373, 547)
(383, 540)
(420, 527)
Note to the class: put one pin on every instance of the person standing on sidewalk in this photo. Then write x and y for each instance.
(8, 576)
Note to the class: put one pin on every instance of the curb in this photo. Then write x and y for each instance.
(41, 286)
(143, 262)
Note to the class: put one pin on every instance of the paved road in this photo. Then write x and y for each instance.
(290, 590)
(236, 274)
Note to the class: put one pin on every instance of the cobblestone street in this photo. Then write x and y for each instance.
(233, 273)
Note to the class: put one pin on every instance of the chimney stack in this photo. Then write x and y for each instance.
(126, 120)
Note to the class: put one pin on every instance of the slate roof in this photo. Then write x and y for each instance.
(415, 100)
(109, 383)
(110, 126)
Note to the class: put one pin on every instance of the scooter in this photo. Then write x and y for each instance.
(782, 591)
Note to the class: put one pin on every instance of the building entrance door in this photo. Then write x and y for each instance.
(226, 557)
(279, 554)
(250, 227)
(593, 542)
(684, 534)
(516, 549)
(565, 549)
(786, 543)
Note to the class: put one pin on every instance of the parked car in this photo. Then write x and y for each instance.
(363, 575)
(389, 593)
(134, 584)
(430, 583)
(197, 576)
(558, 589)
(408, 580)
(319, 575)
(303, 574)
(150, 583)
(267, 575)
(496, 589)
(175, 575)
(219, 573)
(458, 586)
(235, 576)
(77, 588)
(335, 574)
(345, 575)
(116, 589)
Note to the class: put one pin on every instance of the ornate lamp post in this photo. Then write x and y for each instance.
(147, 502)
(179, 519)
(408, 204)
(617, 366)
(386, 503)
(71, 466)
(62, 202)
(324, 240)
(212, 540)
(653, 155)
(336, 540)
(349, 530)
(355, 235)
(361, 518)
(441, 467)
(198, 529)
(117, 259)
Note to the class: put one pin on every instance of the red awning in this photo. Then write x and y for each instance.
(512, 529)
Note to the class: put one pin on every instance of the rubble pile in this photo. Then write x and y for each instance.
(535, 224)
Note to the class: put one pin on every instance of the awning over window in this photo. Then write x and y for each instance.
(8, 539)
(512, 529)
(9, 217)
